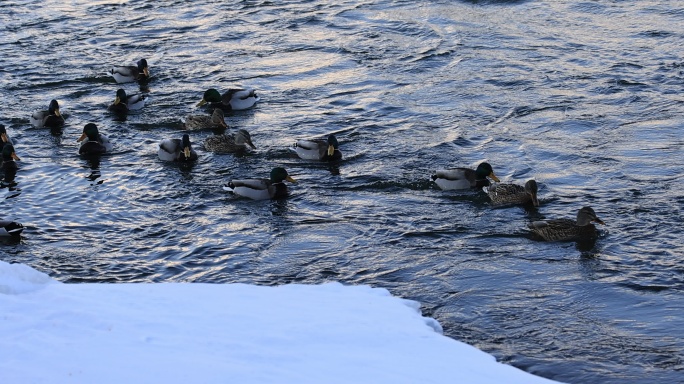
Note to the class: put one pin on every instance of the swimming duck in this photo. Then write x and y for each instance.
(94, 143)
(262, 189)
(231, 100)
(206, 122)
(318, 149)
(566, 229)
(124, 103)
(51, 118)
(130, 73)
(177, 150)
(225, 143)
(464, 178)
(10, 228)
(4, 138)
(505, 194)
(9, 166)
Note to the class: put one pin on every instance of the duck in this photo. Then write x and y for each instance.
(94, 143)
(464, 178)
(51, 118)
(231, 100)
(566, 229)
(262, 189)
(216, 120)
(8, 165)
(124, 103)
(509, 194)
(10, 228)
(225, 143)
(318, 149)
(4, 137)
(177, 150)
(131, 73)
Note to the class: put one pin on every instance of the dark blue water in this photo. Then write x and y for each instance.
(584, 97)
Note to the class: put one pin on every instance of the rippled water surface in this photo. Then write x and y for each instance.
(584, 97)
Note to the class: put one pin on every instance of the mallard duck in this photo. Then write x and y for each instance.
(566, 229)
(9, 166)
(130, 73)
(262, 189)
(4, 137)
(505, 194)
(206, 122)
(177, 150)
(231, 100)
(226, 143)
(10, 228)
(124, 103)
(51, 118)
(464, 178)
(94, 143)
(318, 149)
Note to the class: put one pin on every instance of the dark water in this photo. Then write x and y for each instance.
(585, 97)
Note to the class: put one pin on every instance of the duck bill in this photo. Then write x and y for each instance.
(201, 103)
(290, 179)
(186, 152)
(146, 71)
(331, 150)
(117, 100)
(535, 201)
(493, 177)
(598, 221)
(4, 137)
(57, 113)
(15, 157)
(250, 144)
(83, 137)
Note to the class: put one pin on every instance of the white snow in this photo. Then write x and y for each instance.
(167, 333)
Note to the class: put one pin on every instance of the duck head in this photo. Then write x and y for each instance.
(8, 153)
(332, 144)
(586, 216)
(142, 67)
(185, 146)
(53, 108)
(120, 97)
(90, 131)
(278, 175)
(485, 170)
(243, 137)
(210, 96)
(531, 189)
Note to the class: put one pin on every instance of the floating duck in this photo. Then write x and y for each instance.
(216, 120)
(130, 73)
(51, 118)
(4, 137)
(226, 143)
(94, 143)
(231, 100)
(177, 150)
(505, 194)
(318, 149)
(464, 178)
(10, 228)
(9, 166)
(124, 103)
(262, 189)
(566, 229)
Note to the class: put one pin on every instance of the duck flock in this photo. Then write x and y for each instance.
(94, 143)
